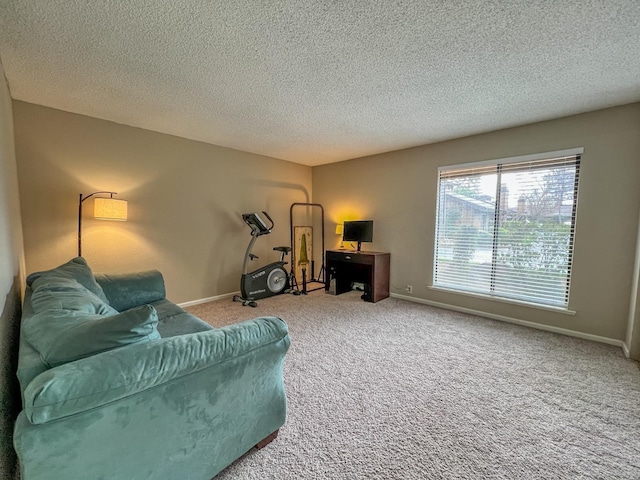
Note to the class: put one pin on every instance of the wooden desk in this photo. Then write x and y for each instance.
(369, 268)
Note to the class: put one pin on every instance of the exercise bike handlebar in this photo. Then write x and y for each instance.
(257, 224)
(270, 220)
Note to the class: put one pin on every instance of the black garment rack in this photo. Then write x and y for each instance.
(293, 281)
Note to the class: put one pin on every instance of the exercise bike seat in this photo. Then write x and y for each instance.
(282, 249)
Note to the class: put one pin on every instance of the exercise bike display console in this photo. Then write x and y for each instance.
(272, 279)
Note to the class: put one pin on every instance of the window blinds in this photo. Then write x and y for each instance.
(507, 228)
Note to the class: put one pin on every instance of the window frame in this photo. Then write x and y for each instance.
(512, 162)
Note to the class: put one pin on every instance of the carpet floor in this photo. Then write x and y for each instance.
(399, 390)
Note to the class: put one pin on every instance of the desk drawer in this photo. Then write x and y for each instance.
(350, 258)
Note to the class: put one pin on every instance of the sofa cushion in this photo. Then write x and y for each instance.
(173, 320)
(62, 336)
(75, 269)
(129, 290)
(60, 293)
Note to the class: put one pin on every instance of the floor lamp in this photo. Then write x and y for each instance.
(104, 209)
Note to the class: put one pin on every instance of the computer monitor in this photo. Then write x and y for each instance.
(358, 231)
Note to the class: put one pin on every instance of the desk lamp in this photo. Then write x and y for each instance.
(339, 231)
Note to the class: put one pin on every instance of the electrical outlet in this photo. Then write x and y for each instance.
(409, 289)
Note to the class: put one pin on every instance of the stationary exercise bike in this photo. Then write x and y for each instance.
(272, 279)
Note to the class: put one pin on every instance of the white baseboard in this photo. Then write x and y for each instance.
(525, 323)
(208, 299)
(479, 313)
(625, 349)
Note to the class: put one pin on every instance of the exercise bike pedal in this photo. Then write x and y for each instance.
(245, 301)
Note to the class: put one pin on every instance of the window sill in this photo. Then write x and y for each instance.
(510, 301)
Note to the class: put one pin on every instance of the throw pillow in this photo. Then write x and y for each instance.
(62, 336)
(59, 293)
(75, 269)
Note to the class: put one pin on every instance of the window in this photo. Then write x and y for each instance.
(506, 228)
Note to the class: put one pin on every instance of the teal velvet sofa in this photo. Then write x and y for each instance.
(117, 382)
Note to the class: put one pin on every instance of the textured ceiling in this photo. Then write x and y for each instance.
(321, 81)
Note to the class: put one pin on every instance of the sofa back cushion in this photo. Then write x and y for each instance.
(75, 269)
(129, 290)
(62, 336)
(60, 293)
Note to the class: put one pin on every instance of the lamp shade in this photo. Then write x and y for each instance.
(339, 229)
(110, 209)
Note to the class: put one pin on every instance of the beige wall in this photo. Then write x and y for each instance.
(398, 191)
(185, 200)
(11, 275)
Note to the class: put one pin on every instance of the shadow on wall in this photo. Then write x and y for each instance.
(11, 401)
(285, 185)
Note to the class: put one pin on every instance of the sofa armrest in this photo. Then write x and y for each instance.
(110, 376)
(128, 290)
